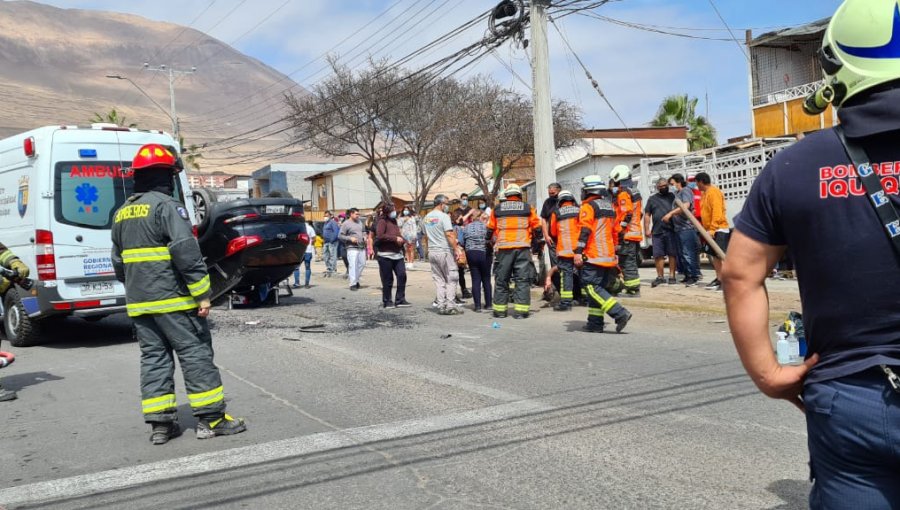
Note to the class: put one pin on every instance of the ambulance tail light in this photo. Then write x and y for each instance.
(242, 243)
(46, 260)
(28, 147)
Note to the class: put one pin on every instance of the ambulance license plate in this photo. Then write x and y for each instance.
(275, 209)
(97, 288)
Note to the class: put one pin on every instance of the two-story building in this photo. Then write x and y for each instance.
(784, 71)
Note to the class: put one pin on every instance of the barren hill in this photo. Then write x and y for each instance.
(54, 63)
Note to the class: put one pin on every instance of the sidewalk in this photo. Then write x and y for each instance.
(784, 295)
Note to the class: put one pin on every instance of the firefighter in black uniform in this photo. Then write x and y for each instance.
(9, 260)
(167, 289)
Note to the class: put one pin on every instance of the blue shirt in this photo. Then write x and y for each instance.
(849, 275)
(475, 238)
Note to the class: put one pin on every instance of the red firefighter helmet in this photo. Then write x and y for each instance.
(154, 154)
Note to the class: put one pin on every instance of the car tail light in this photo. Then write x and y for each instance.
(195, 231)
(241, 243)
(28, 147)
(243, 217)
(46, 260)
(303, 238)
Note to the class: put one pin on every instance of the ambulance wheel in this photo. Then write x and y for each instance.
(20, 330)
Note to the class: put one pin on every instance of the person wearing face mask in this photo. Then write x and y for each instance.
(464, 207)
(409, 230)
(663, 234)
(444, 253)
(389, 244)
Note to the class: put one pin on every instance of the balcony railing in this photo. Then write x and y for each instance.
(783, 96)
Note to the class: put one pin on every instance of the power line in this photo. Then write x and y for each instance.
(719, 14)
(596, 86)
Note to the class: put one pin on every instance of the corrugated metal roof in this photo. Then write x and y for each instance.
(808, 31)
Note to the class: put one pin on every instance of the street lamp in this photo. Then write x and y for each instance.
(169, 115)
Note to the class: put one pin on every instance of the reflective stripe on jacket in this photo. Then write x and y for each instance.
(635, 229)
(513, 221)
(599, 217)
(565, 229)
(157, 257)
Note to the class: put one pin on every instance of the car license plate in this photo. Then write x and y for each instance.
(275, 209)
(97, 288)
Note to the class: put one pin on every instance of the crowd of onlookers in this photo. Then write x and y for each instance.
(455, 243)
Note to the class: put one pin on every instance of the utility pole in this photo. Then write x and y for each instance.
(544, 146)
(173, 73)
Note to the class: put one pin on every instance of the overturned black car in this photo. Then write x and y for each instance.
(250, 244)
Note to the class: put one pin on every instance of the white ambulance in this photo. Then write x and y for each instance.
(59, 188)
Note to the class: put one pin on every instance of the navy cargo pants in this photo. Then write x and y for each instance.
(163, 336)
(596, 279)
(513, 265)
(853, 425)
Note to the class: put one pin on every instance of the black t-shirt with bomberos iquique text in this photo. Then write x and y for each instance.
(809, 199)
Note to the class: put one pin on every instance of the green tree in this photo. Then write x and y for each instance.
(112, 117)
(681, 110)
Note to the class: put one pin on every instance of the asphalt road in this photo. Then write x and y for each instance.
(406, 409)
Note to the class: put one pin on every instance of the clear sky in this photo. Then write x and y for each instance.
(635, 68)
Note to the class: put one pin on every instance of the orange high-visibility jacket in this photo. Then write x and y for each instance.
(597, 224)
(565, 229)
(513, 222)
(628, 215)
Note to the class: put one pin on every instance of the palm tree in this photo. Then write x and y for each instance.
(112, 117)
(681, 110)
(190, 154)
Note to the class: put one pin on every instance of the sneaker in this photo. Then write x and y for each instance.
(657, 282)
(224, 426)
(388, 304)
(295, 286)
(622, 321)
(592, 328)
(354, 288)
(713, 285)
(466, 294)
(477, 309)
(434, 304)
(7, 395)
(690, 283)
(684, 280)
(458, 301)
(306, 286)
(403, 304)
(672, 281)
(162, 432)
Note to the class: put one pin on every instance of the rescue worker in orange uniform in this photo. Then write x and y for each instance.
(629, 229)
(514, 223)
(167, 290)
(595, 255)
(564, 230)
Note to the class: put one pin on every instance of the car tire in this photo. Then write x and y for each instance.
(203, 202)
(20, 330)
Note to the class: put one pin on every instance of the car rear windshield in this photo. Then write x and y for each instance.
(87, 194)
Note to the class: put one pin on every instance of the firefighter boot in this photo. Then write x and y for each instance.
(223, 425)
(162, 432)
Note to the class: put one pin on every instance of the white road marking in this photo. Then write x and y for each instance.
(117, 479)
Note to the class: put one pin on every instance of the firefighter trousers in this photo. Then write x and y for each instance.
(566, 280)
(601, 302)
(628, 261)
(514, 265)
(162, 337)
